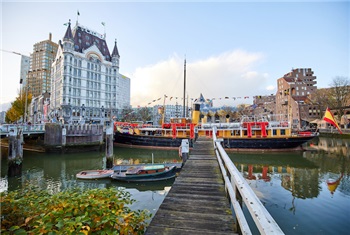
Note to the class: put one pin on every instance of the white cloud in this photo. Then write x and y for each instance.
(230, 74)
(270, 88)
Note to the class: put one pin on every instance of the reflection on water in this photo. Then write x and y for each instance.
(56, 172)
(331, 145)
(306, 192)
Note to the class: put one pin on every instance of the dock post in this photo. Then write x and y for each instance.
(185, 149)
(64, 139)
(15, 152)
(109, 147)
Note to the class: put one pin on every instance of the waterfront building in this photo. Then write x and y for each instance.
(264, 105)
(38, 78)
(292, 94)
(86, 83)
(171, 111)
(38, 108)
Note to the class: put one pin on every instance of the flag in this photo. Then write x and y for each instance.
(328, 117)
(78, 13)
(65, 24)
(103, 23)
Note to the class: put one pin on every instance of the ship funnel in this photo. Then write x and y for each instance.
(195, 113)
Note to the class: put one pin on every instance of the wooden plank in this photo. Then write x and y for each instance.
(196, 203)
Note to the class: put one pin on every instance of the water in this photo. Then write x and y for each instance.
(292, 186)
(306, 193)
(56, 172)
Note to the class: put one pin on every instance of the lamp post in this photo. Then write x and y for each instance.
(25, 106)
(102, 111)
(82, 110)
(82, 120)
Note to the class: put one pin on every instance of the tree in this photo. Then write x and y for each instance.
(243, 110)
(127, 114)
(340, 91)
(222, 113)
(323, 99)
(16, 111)
(145, 114)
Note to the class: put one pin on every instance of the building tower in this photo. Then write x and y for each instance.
(86, 83)
(38, 79)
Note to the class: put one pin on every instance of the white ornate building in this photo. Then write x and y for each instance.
(86, 83)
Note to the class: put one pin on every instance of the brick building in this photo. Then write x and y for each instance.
(292, 94)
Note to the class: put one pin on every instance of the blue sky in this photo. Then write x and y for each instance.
(233, 49)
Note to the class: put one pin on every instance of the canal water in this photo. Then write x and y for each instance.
(305, 192)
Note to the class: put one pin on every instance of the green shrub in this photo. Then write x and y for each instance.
(74, 211)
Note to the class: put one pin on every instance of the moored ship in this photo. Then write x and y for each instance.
(250, 133)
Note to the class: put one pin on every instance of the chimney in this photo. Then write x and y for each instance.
(50, 36)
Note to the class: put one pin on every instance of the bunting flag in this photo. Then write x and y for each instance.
(201, 99)
(328, 117)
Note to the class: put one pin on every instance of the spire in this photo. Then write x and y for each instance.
(115, 50)
(68, 35)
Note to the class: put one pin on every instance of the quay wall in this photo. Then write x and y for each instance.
(73, 138)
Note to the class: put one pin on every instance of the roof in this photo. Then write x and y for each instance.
(68, 35)
(84, 38)
(115, 50)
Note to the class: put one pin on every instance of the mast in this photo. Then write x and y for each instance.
(184, 98)
(163, 116)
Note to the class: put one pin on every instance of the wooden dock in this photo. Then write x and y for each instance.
(196, 203)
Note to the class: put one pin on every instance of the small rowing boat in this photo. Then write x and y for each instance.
(145, 173)
(94, 174)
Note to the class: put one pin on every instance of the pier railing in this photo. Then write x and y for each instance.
(240, 192)
(5, 129)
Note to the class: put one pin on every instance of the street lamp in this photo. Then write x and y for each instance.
(25, 106)
(82, 120)
(82, 110)
(102, 111)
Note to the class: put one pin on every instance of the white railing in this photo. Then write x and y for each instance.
(240, 192)
(37, 128)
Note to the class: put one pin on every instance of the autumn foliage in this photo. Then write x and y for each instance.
(75, 211)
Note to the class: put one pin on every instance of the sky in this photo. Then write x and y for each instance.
(232, 48)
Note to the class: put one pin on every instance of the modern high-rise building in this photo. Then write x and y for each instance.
(123, 96)
(86, 85)
(25, 66)
(38, 78)
(293, 90)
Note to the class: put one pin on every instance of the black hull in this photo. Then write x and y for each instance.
(266, 143)
(243, 143)
(154, 141)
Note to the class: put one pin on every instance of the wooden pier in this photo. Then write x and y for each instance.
(196, 203)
